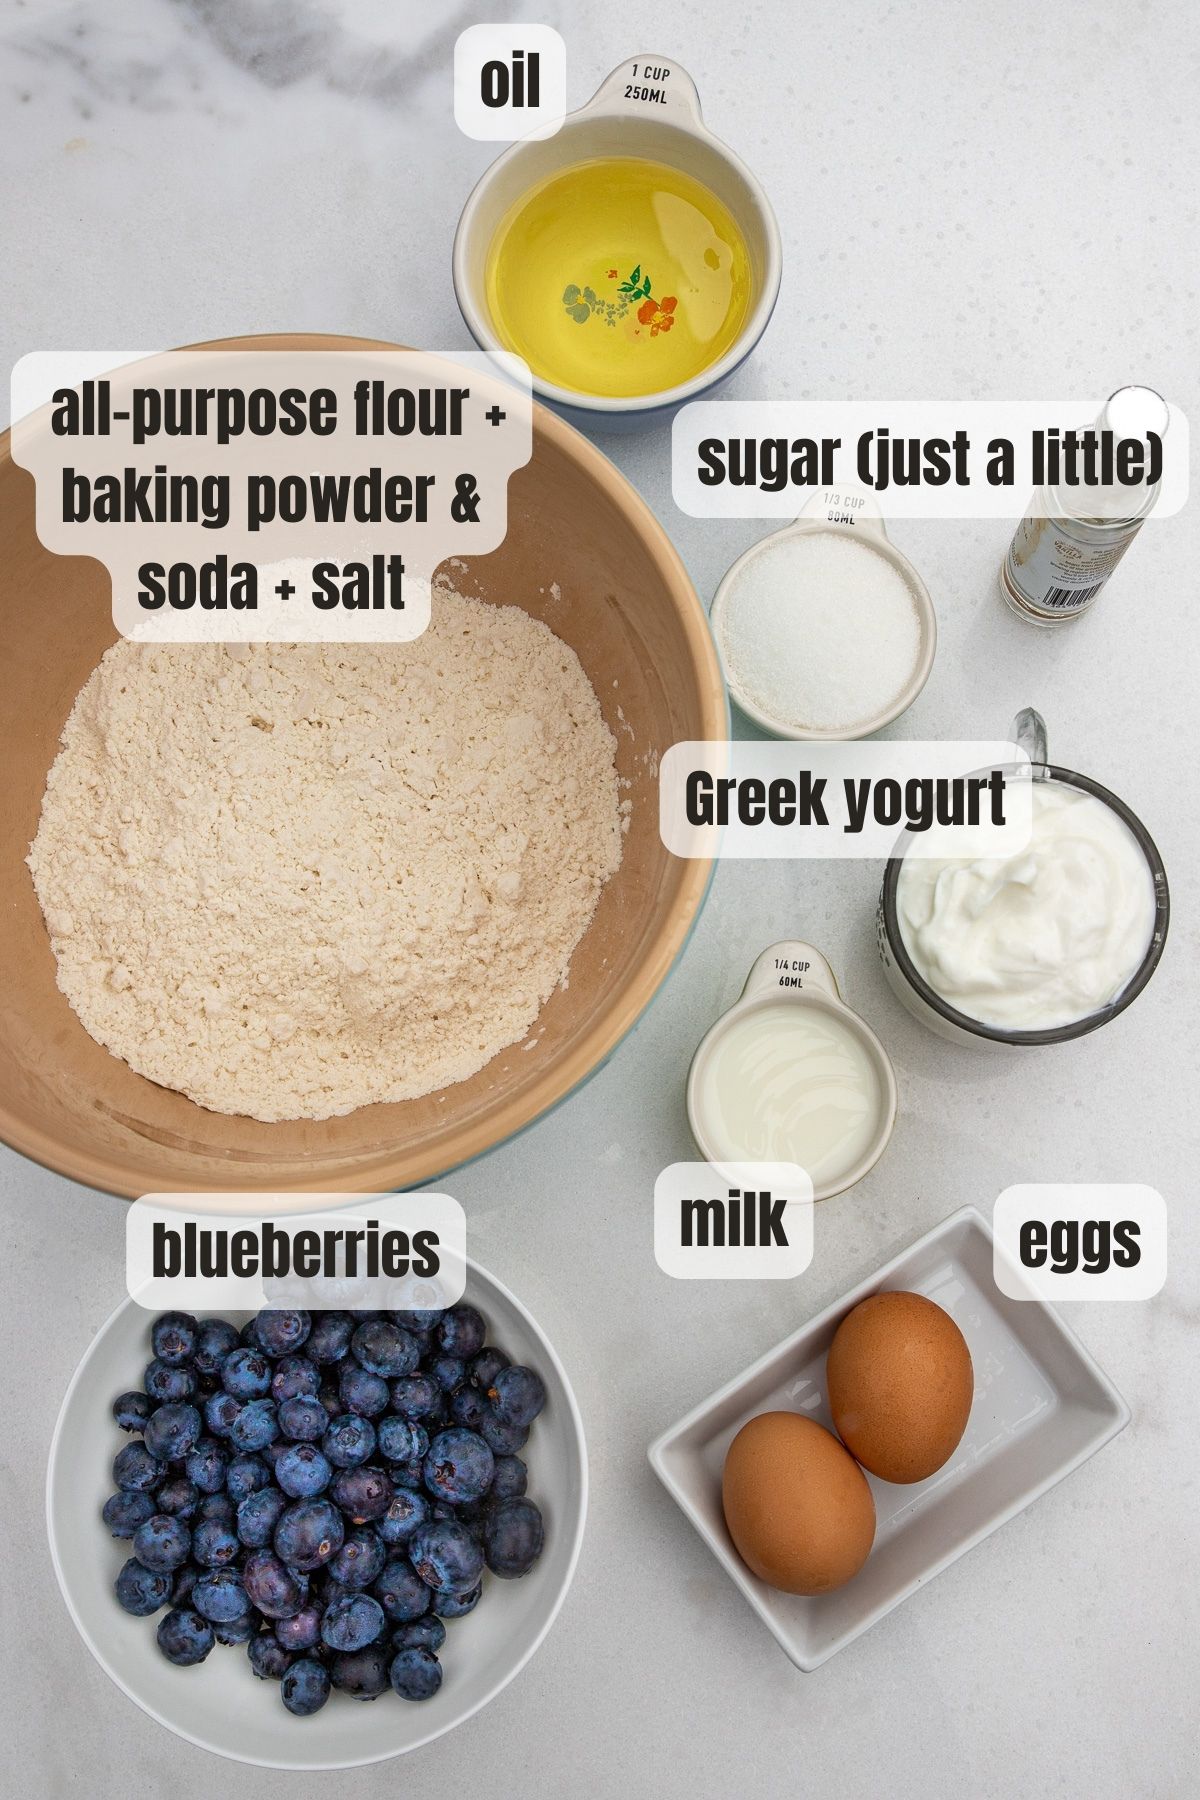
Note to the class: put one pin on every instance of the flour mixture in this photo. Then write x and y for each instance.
(289, 880)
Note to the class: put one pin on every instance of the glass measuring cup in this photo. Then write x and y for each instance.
(926, 1004)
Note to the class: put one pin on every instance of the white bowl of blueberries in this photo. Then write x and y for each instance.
(260, 1522)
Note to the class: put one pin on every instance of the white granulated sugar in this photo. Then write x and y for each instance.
(290, 880)
(821, 632)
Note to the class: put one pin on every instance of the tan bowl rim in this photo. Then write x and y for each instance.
(561, 1079)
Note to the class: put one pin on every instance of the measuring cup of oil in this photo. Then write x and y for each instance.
(791, 1074)
(632, 259)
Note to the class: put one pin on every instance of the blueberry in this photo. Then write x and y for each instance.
(257, 1516)
(171, 1431)
(513, 1537)
(349, 1441)
(329, 1339)
(179, 1497)
(468, 1407)
(215, 1338)
(422, 1321)
(294, 1376)
(351, 1622)
(134, 1467)
(450, 1605)
(140, 1590)
(184, 1581)
(131, 1411)
(220, 1410)
(280, 1333)
(416, 1396)
(408, 1474)
(220, 1596)
(360, 1559)
(501, 1438)
(363, 1393)
(401, 1592)
(509, 1480)
(484, 1368)
(458, 1466)
(303, 1418)
(363, 1674)
(415, 1673)
(216, 1506)
(462, 1331)
(162, 1543)
(246, 1374)
(331, 1589)
(384, 1349)
(162, 1382)
(246, 1475)
(125, 1510)
(446, 1556)
(214, 1545)
(406, 1512)
(303, 1630)
(302, 1471)
(517, 1396)
(427, 1631)
(173, 1338)
(270, 1585)
(364, 1493)
(305, 1687)
(206, 1466)
(309, 1532)
(239, 1630)
(400, 1440)
(268, 1658)
(184, 1637)
(448, 1371)
(255, 1427)
(272, 1452)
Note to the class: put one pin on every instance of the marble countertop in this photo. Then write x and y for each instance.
(975, 202)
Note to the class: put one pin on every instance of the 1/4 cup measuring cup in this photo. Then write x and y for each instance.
(648, 107)
(792, 1074)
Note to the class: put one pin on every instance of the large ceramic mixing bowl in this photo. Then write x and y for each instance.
(584, 554)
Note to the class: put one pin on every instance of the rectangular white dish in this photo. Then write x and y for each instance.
(1042, 1406)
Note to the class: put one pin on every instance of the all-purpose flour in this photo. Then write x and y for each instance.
(290, 880)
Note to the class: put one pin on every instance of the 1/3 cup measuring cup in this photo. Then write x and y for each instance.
(852, 514)
(648, 107)
(791, 1074)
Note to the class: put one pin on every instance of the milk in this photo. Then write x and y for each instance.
(788, 1082)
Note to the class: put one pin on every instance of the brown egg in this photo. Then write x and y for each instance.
(900, 1384)
(798, 1508)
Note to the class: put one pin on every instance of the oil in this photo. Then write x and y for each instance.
(618, 277)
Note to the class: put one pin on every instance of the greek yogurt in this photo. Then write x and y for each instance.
(1038, 940)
